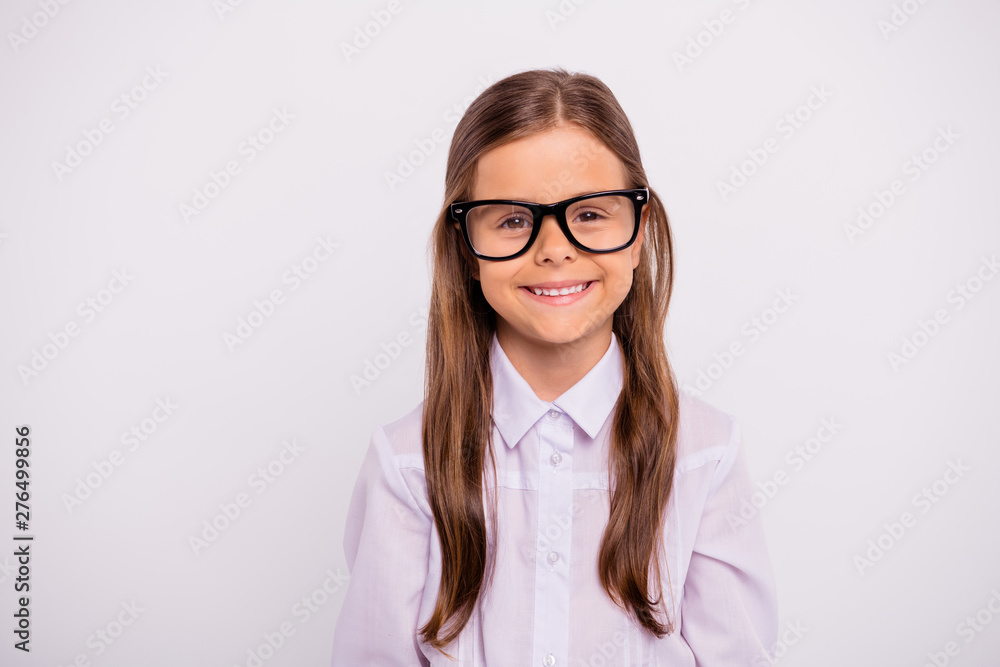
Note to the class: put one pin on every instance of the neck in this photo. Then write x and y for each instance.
(552, 368)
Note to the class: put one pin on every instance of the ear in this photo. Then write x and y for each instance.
(637, 246)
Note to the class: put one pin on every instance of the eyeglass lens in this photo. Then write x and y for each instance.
(598, 223)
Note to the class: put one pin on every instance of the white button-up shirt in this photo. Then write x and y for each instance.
(546, 607)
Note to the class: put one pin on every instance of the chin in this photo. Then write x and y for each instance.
(564, 336)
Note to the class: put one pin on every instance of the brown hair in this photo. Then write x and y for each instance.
(458, 391)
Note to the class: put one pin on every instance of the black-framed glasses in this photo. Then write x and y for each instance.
(598, 222)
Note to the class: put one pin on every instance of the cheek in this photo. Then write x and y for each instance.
(619, 282)
(495, 282)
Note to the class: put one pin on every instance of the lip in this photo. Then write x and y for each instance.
(558, 284)
(562, 300)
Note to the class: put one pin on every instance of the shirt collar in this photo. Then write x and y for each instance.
(516, 408)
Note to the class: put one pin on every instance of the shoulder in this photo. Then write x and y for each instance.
(395, 460)
(705, 433)
(404, 436)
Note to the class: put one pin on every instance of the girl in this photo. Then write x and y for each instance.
(554, 499)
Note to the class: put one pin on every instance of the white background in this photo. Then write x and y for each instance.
(323, 175)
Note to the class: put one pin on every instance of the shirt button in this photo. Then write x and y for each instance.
(553, 556)
(556, 458)
(553, 415)
(549, 660)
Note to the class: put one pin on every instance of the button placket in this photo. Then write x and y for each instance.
(556, 457)
(555, 500)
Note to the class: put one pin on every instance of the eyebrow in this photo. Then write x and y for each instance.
(571, 196)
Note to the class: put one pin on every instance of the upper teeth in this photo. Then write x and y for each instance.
(558, 292)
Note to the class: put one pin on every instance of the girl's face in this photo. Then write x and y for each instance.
(547, 167)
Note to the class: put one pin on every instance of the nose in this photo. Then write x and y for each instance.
(551, 243)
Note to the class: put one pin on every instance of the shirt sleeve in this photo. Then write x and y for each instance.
(730, 608)
(386, 543)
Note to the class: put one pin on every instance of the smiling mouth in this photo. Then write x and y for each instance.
(562, 291)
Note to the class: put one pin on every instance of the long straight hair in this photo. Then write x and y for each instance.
(458, 390)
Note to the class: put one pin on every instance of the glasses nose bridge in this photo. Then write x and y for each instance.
(556, 211)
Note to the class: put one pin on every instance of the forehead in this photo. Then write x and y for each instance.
(548, 166)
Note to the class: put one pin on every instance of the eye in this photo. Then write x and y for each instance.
(515, 222)
(588, 216)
